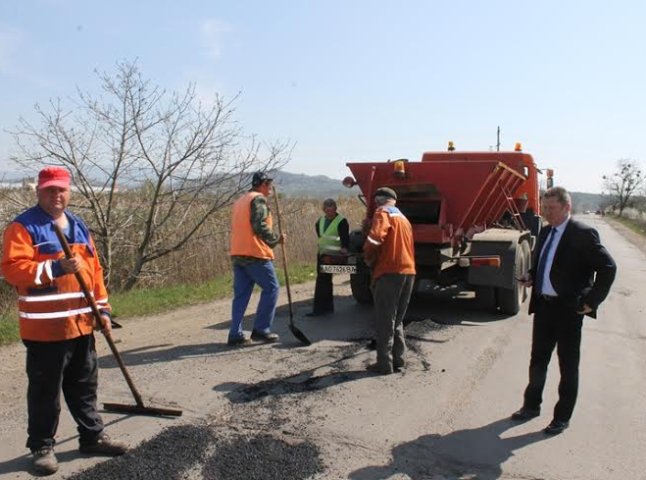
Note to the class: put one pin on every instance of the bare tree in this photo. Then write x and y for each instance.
(151, 166)
(624, 183)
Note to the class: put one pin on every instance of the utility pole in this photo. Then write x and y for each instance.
(498, 140)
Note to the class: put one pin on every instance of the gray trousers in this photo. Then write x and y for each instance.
(391, 292)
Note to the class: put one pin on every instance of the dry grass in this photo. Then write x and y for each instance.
(207, 256)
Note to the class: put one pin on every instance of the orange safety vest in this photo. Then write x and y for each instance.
(390, 243)
(244, 241)
(51, 308)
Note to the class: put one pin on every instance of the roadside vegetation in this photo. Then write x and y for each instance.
(637, 224)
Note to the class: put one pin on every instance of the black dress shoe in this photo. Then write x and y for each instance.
(556, 427)
(525, 414)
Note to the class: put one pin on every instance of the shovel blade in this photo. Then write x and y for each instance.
(299, 335)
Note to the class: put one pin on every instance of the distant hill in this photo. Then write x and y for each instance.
(311, 186)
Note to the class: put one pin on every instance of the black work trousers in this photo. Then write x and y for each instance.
(555, 325)
(69, 366)
(323, 291)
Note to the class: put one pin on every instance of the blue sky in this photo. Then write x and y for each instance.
(361, 80)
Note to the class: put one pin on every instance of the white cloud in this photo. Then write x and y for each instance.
(212, 30)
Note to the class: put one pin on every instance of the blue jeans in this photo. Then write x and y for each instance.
(244, 278)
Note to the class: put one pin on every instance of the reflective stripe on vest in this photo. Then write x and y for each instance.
(243, 241)
(329, 239)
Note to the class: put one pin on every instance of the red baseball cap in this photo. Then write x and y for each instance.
(54, 177)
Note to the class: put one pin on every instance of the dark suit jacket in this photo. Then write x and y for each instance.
(582, 271)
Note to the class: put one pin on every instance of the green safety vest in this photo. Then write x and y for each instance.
(329, 240)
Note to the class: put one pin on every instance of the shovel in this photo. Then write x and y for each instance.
(139, 408)
(292, 328)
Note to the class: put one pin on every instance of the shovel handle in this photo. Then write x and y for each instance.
(98, 317)
(283, 251)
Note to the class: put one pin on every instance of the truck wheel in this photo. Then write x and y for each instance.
(360, 286)
(509, 299)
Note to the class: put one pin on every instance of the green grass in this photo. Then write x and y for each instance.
(8, 328)
(162, 299)
(638, 226)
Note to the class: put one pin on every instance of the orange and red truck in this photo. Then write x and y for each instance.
(475, 219)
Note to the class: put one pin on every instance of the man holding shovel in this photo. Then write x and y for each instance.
(251, 249)
(56, 323)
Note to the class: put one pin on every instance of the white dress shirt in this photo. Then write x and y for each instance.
(548, 289)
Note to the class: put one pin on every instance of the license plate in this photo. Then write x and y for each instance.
(338, 269)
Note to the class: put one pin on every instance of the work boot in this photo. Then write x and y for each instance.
(44, 461)
(238, 341)
(268, 337)
(104, 445)
(380, 369)
(399, 365)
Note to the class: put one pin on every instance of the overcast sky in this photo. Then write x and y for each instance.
(361, 80)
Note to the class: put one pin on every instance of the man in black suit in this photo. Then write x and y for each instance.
(571, 275)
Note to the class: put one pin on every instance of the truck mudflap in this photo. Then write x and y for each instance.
(499, 288)
(503, 244)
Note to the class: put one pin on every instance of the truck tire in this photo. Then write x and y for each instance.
(360, 286)
(509, 299)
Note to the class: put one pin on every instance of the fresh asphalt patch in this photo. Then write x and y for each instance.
(264, 456)
(169, 455)
(190, 451)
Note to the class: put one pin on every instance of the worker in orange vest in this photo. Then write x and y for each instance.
(56, 322)
(252, 242)
(389, 251)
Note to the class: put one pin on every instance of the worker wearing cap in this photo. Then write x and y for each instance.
(333, 233)
(56, 322)
(251, 249)
(389, 251)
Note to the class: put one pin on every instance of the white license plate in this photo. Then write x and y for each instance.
(338, 269)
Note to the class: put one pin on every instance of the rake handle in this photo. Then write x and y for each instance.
(98, 318)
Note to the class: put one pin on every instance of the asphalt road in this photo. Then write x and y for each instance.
(288, 411)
